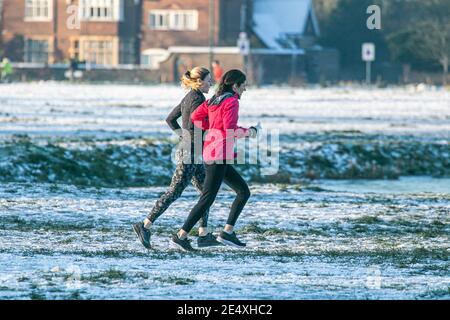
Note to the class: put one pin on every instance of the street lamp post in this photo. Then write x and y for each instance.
(211, 31)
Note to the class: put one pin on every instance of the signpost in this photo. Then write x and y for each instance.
(244, 47)
(368, 55)
(243, 44)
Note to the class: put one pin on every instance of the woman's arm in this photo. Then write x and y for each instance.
(172, 118)
(200, 116)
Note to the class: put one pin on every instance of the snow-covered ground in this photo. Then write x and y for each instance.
(41, 108)
(65, 242)
(80, 163)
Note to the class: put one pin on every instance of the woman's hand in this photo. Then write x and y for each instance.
(254, 130)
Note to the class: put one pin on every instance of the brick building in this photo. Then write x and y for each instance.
(103, 32)
(178, 34)
(168, 36)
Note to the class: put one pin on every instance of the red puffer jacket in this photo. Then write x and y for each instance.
(219, 116)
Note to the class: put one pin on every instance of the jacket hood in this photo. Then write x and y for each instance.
(215, 101)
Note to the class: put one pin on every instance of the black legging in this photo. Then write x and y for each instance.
(215, 174)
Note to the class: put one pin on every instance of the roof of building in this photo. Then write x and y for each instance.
(276, 20)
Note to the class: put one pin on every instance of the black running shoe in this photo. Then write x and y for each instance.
(184, 245)
(143, 234)
(208, 241)
(230, 239)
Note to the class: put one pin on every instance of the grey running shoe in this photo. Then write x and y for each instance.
(184, 245)
(143, 234)
(208, 241)
(230, 239)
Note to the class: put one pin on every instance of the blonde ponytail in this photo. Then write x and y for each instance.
(192, 79)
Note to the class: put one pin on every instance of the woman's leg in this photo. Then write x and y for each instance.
(180, 180)
(234, 180)
(198, 181)
(214, 177)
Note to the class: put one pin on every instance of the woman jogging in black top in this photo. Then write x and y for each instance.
(219, 116)
(187, 170)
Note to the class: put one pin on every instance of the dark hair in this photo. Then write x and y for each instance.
(229, 79)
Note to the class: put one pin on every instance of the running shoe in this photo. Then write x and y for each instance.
(143, 234)
(184, 245)
(230, 239)
(208, 241)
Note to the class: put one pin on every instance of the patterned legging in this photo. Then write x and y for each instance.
(184, 174)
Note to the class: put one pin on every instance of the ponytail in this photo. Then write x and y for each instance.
(191, 79)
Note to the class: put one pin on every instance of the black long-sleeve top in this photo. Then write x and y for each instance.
(184, 110)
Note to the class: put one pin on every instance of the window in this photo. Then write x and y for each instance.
(150, 61)
(74, 50)
(38, 10)
(159, 21)
(36, 51)
(98, 52)
(127, 52)
(101, 10)
(152, 58)
(174, 19)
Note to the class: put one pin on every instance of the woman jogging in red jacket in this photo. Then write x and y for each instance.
(219, 116)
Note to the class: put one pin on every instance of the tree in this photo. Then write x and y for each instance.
(323, 9)
(418, 33)
(346, 29)
(414, 32)
(433, 41)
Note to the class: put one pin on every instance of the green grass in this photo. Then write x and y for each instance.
(366, 220)
(105, 277)
(314, 189)
(36, 295)
(257, 273)
(20, 224)
(437, 293)
(255, 228)
(176, 280)
(23, 279)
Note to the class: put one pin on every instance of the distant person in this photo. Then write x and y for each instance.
(217, 72)
(74, 64)
(7, 70)
(198, 80)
